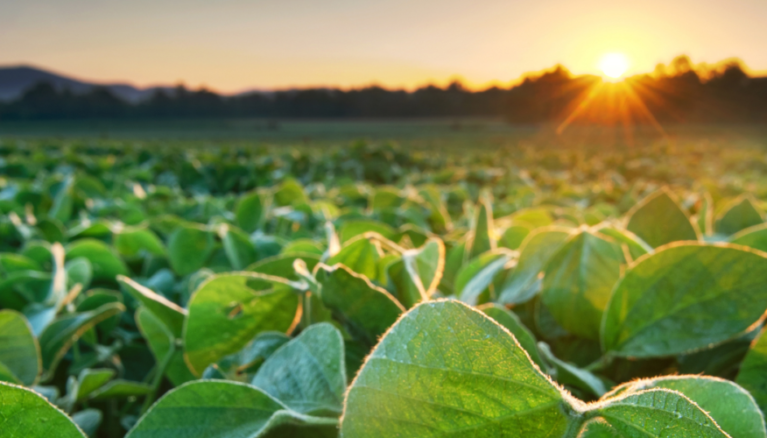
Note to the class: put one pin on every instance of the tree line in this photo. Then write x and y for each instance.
(678, 92)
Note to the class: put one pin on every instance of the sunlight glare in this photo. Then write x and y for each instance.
(614, 65)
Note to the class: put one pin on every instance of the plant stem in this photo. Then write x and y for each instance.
(600, 364)
(157, 379)
(574, 426)
(307, 308)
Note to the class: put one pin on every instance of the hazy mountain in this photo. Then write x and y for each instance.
(14, 80)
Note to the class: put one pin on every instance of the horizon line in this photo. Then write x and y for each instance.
(467, 84)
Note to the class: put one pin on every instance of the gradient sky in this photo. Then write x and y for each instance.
(232, 45)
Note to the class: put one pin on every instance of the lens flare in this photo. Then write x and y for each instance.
(614, 65)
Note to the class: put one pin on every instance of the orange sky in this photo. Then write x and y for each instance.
(232, 45)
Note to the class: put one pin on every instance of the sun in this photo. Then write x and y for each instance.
(614, 65)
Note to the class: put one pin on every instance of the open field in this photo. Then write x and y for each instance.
(380, 279)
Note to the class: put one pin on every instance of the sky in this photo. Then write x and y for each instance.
(236, 45)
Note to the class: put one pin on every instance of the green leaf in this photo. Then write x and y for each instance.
(353, 229)
(238, 247)
(130, 242)
(19, 352)
(218, 409)
(513, 237)
(540, 245)
(79, 271)
(753, 371)
(24, 413)
(598, 428)
(418, 273)
(683, 298)
(242, 365)
(512, 323)
(162, 342)
(249, 211)
(120, 389)
(282, 265)
(106, 263)
(447, 370)
(754, 237)
(290, 192)
(657, 413)
(732, 407)
(569, 374)
(476, 276)
(739, 215)
(10, 263)
(239, 306)
(307, 374)
(88, 420)
(65, 330)
(659, 220)
(636, 247)
(189, 248)
(578, 280)
(367, 309)
(360, 255)
(89, 380)
(63, 201)
(170, 313)
(303, 247)
(482, 241)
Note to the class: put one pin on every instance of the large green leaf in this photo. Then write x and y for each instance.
(249, 211)
(578, 281)
(447, 370)
(170, 313)
(659, 220)
(65, 330)
(657, 413)
(739, 215)
(307, 374)
(19, 351)
(418, 273)
(106, 263)
(24, 413)
(732, 407)
(219, 409)
(367, 309)
(536, 250)
(189, 248)
(239, 306)
(684, 298)
(162, 342)
(360, 255)
(753, 371)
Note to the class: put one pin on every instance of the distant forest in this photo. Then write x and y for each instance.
(678, 92)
